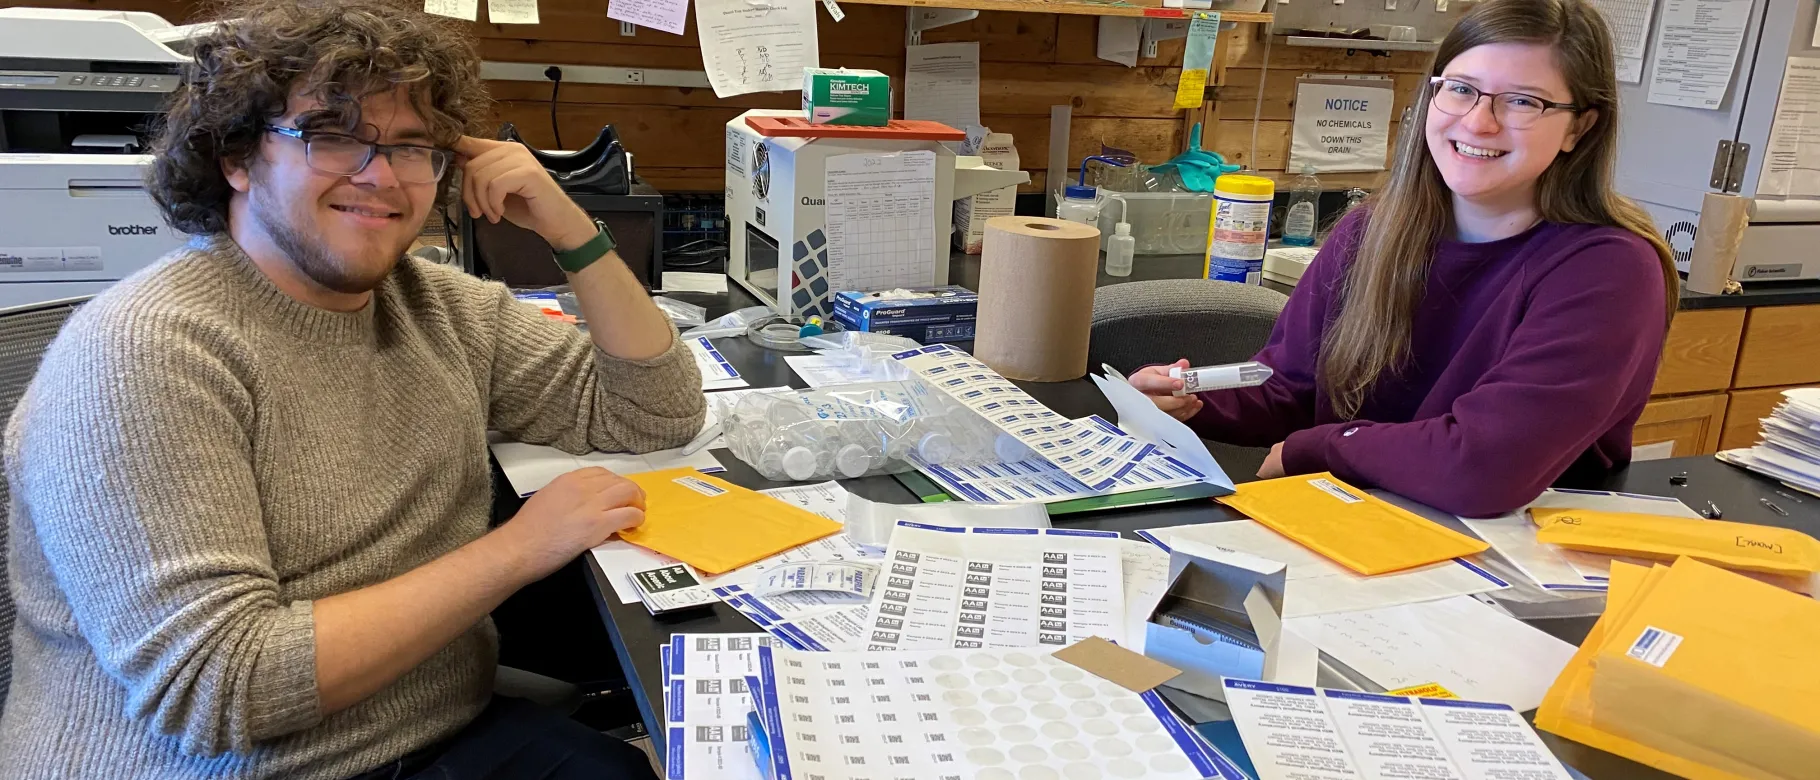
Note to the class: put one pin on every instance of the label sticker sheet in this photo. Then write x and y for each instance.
(805, 620)
(974, 714)
(1036, 479)
(948, 587)
(706, 699)
(1092, 455)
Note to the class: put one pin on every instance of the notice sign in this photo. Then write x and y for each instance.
(1341, 126)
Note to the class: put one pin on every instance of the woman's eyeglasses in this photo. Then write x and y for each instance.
(1512, 109)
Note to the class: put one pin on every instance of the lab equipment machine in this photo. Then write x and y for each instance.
(78, 92)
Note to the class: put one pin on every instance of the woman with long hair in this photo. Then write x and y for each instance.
(1492, 318)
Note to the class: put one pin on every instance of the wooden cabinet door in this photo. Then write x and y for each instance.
(1699, 353)
(1781, 347)
(1692, 423)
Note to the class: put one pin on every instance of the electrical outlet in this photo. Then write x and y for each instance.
(628, 29)
(1149, 48)
(1390, 5)
(634, 77)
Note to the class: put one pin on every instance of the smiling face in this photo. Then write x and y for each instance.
(1484, 161)
(344, 232)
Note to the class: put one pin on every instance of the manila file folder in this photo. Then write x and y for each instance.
(1355, 529)
(716, 526)
(1699, 671)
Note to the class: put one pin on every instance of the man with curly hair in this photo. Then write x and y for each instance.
(251, 487)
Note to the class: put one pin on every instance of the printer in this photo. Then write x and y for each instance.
(79, 90)
(778, 230)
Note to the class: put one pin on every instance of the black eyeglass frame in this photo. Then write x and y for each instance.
(1435, 82)
(439, 157)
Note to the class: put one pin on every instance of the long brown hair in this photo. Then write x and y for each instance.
(1409, 215)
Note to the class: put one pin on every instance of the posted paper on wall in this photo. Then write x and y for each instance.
(1696, 49)
(667, 15)
(942, 83)
(1629, 21)
(881, 220)
(1791, 166)
(756, 45)
(1341, 127)
(512, 11)
(455, 9)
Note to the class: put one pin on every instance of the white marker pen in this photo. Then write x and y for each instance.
(1197, 380)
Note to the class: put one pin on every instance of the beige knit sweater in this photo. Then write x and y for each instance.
(201, 456)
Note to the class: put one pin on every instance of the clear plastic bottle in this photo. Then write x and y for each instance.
(1080, 203)
(1119, 250)
(856, 430)
(1304, 210)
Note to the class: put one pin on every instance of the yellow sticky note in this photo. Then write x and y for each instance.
(715, 525)
(1425, 691)
(1357, 530)
(1191, 91)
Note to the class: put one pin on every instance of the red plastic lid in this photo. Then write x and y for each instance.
(901, 129)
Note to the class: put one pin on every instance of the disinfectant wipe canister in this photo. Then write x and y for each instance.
(1240, 225)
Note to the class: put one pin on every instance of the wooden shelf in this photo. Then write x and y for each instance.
(1362, 45)
(1081, 7)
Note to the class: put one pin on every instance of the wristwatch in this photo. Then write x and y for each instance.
(594, 249)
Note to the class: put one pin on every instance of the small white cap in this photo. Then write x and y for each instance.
(1009, 449)
(1122, 228)
(935, 448)
(799, 463)
(1175, 372)
(852, 461)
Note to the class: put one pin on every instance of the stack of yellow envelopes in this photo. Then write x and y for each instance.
(1741, 546)
(715, 525)
(1355, 529)
(1696, 671)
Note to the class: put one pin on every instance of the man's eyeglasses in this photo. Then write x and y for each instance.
(1512, 109)
(345, 155)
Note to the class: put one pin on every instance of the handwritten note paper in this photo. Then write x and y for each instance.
(942, 83)
(666, 15)
(458, 9)
(756, 45)
(512, 11)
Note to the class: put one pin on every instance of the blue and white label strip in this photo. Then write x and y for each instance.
(949, 587)
(1036, 479)
(1090, 454)
(961, 713)
(716, 372)
(805, 620)
(1355, 734)
(706, 699)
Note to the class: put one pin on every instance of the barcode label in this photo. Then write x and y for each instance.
(1654, 646)
(700, 486)
(1335, 490)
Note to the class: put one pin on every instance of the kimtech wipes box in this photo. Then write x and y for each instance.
(926, 314)
(838, 96)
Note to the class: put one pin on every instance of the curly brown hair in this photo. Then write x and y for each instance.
(338, 52)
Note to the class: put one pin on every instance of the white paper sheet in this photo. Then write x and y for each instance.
(531, 466)
(881, 220)
(667, 15)
(1146, 570)
(942, 83)
(1119, 39)
(512, 11)
(930, 18)
(1791, 166)
(1299, 733)
(1697, 44)
(458, 9)
(685, 281)
(1318, 586)
(706, 701)
(1144, 420)
(1549, 566)
(756, 45)
(716, 372)
(1467, 647)
(1629, 21)
(966, 714)
(997, 587)
(826, 371)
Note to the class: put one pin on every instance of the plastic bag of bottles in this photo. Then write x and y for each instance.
(857, 430)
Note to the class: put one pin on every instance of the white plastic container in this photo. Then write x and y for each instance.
(1240, 227)
(1080, 203)
(1162, 223)
(1119, 251)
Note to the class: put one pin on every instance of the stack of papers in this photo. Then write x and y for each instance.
(705, 705)
(1035, 479)
(1790, 449)
(1553, 568)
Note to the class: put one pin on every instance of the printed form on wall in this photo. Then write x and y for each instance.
(942, 83)
(1629, 20)
(1792, 164)
(756, 45)
(1696, 48)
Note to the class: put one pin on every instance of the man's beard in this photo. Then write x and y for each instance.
(309, 254)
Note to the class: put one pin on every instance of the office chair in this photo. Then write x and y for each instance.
(1209, 322)
(25, 333)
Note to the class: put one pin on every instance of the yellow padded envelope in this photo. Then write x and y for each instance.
(1741, 546)
(1700, 672)
(715, 525)
(1353, 528)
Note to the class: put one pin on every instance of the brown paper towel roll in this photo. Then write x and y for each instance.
(1722, 222)
(1036, 297)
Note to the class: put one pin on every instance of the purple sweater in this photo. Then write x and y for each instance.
(1532, 355)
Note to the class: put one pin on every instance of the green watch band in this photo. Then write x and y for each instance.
(583, 256)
